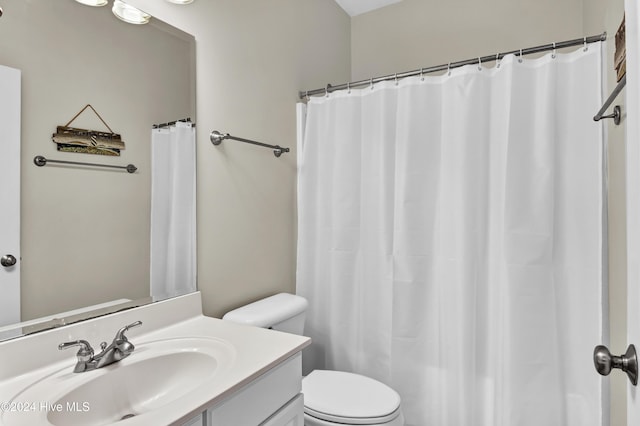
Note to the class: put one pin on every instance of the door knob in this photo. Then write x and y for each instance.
(8, 260)
(605, 362)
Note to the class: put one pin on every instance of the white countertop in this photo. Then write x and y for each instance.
(25, 360)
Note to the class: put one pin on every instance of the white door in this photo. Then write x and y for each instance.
(9, 195)
(632, 11)
(633, 239)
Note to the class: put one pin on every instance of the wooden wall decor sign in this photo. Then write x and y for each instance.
(71, 139)
(620, 54)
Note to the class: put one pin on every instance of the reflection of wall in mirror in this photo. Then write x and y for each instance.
(10, 90)
(85, 232)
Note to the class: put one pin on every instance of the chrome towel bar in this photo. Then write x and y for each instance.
(217, 138)
(40, 161)
(616, 110)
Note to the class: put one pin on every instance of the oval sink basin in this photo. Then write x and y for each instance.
(156, 374)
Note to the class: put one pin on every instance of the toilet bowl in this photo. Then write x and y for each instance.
(331, 398)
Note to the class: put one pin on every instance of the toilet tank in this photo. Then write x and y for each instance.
(282, 312)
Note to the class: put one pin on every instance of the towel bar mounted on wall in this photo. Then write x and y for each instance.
(617, 112)
(217, 138)
(40, 161)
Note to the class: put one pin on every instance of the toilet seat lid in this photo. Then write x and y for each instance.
(348, 398)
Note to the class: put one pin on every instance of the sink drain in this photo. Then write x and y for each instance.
(127, 416)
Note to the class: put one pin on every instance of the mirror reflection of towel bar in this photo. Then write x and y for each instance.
(40, 161)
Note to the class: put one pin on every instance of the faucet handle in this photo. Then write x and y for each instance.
(120, 334)
(85, 351)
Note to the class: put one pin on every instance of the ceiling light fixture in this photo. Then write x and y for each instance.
(94, 3)
(129, 14)
(180, 1)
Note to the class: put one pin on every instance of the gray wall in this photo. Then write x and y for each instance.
(419, 33)
(252, 58)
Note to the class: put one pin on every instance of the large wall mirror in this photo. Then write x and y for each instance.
(85, 231)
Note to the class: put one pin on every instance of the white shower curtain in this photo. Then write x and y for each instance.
(173, 211)
(451, 235)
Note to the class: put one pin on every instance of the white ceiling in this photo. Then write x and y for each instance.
(357, 7)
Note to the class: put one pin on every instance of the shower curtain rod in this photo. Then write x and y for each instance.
(479, 60)
(171, 123)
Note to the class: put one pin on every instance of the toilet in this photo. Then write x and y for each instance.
(331, 398)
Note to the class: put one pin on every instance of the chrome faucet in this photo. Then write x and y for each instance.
(119, 349)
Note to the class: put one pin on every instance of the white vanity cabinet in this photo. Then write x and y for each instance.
(272, 399)
(291, 414)
(195, 421)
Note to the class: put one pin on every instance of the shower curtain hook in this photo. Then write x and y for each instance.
(553, 54)
(497, 60)
(371, 83)
(585, 45)
(396, 78)
(449, 69)
(349, 87)
(307, 95)
(479, 64)
(326, 90)
(421, 74)
(520, 58)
